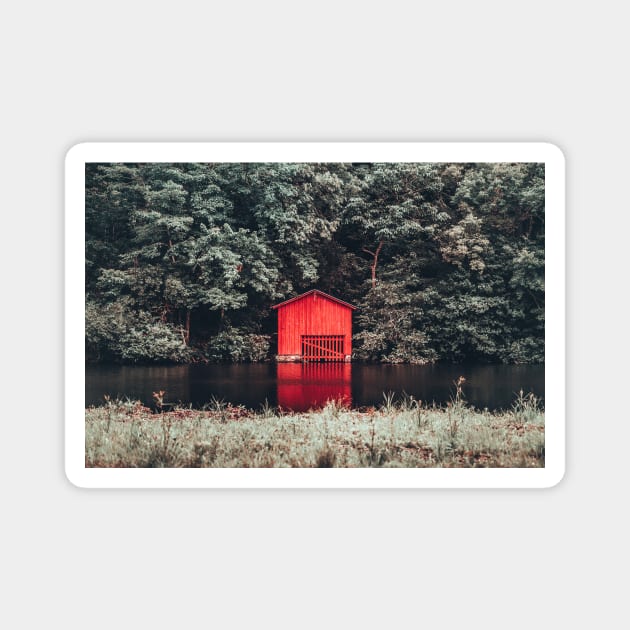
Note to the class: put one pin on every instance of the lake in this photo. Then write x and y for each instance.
(299, 386)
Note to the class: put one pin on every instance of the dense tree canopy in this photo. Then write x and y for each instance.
(444, 261)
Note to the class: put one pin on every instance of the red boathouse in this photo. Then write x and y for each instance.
(314, 326)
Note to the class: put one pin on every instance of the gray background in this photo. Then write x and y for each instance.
(77, 71)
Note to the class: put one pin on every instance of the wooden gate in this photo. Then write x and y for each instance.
(323, 348)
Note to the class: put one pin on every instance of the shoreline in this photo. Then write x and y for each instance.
(405, 434)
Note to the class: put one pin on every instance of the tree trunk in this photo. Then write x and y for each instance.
(170, 246)
(187, 337)
(374, 260)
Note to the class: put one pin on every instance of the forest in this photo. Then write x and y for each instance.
(445, 261)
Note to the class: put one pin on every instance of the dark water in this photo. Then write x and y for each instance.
(300, 386)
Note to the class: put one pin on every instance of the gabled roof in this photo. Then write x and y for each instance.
(314, 291)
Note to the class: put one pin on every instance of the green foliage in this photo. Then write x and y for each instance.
(114, 331)
(237, 346)
(149, 340)
(389, 326)
(445, 261)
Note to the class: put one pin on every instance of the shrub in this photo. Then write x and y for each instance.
(232, 344)
(115, 331)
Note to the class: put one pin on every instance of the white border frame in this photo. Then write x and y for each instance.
(553, 472)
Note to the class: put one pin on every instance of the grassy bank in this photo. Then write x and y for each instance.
(402, 434)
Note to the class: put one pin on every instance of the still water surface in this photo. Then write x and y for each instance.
(300, 386)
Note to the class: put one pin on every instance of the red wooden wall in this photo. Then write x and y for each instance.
(314, 313)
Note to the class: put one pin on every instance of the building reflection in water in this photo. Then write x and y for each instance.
(303, 386)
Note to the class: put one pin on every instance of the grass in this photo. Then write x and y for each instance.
(398, 434)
